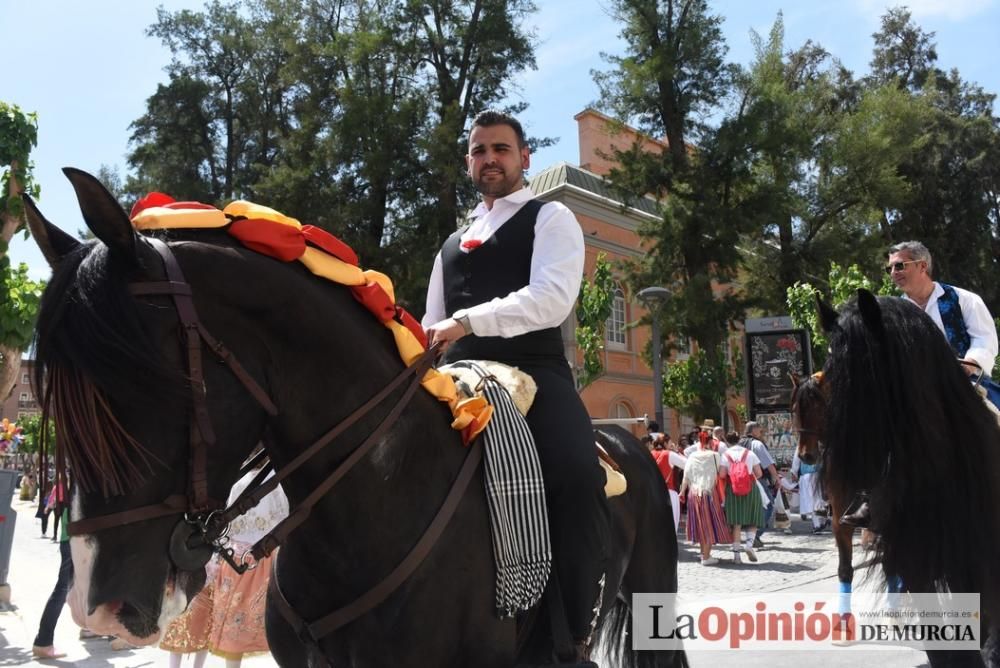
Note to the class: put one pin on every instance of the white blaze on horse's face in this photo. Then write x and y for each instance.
(104, 619)
(84, 551)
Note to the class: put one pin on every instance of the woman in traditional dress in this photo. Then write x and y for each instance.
(239, 600)
(706, 524)
(188, 634)
(665, 453)
(742, 510)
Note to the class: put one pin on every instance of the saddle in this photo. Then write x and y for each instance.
(522, 388)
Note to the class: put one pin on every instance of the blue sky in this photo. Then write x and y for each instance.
(87, 68)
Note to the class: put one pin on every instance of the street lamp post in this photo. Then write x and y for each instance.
(652, 298)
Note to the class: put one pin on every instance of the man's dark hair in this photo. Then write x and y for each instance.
(653, 426)
(732, 438)
(492, 117)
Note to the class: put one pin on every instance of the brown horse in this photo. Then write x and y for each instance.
(809, 413)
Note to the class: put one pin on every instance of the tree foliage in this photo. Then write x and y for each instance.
(700, 383)
(347, 114)
(19, 295)
(593, 308)
(31, 426)
(799, 165)
(672, 74)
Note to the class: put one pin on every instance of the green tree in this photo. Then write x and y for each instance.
(593, 308)
(32, 430)
(19, 295)
(347, 114)
(953, 181)
(701, 383)
(671, 76)
(825, 162)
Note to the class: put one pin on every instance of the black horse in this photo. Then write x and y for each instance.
(115, 374)
(903, 422)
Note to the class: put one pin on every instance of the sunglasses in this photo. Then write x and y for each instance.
(898, 266)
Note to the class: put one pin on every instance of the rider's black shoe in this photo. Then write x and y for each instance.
(858, 514)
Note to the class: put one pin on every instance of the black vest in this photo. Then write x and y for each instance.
(500, 266)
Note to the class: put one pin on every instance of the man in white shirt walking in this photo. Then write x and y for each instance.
(499, 290)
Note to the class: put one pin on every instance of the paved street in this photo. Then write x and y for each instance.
(798, 562)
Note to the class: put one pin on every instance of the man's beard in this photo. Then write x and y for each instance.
(501, 188)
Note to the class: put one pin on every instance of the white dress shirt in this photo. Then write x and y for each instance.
(556, 271)
(979, 322)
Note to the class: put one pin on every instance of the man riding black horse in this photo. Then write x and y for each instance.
(499, 290)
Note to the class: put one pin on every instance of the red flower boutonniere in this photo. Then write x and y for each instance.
(471, 244)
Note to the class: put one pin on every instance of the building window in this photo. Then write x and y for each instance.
(24, 396)
(24, 379)
(621, 410)
(615, 326)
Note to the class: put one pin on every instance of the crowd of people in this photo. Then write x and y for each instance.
(730, 489)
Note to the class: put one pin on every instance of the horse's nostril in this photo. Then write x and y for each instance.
(139, 622)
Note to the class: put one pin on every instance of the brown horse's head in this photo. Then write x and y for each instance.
(809, 414)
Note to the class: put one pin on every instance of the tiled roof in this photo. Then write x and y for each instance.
(564, 173)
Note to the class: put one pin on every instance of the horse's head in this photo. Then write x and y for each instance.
(121, 381)
(809, 415)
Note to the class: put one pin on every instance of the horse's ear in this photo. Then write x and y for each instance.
(871, 312)
(53, 242)
(827, 315)
(102, 213)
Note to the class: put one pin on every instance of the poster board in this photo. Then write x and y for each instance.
(779, 436)
(771, 358)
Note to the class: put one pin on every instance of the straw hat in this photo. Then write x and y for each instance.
(708, 424)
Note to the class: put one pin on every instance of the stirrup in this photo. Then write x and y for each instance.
(858, 514)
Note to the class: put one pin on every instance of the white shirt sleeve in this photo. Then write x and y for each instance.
(434, 310)
(677, 459)
(982, 330)
(554, 283)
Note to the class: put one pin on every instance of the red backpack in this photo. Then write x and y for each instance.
(740, 477)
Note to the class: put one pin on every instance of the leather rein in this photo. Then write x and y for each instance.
(205, 522)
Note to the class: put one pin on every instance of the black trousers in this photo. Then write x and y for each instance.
(574, 484)
(47, 627)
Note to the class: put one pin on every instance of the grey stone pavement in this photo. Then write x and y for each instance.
(797, 562)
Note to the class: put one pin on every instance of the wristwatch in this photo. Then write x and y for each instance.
(463, 320)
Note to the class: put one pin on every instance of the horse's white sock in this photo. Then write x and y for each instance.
(199, 659)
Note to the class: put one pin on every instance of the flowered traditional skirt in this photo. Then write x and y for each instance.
(705, 522)
(190, 631)
(238, 611)
(746, 510)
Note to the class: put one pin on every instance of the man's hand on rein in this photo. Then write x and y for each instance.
(445, 332)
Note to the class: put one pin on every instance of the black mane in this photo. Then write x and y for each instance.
(88, 322)
(905, 423)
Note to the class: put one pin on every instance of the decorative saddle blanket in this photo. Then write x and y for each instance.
(521, 387)
(515, 489)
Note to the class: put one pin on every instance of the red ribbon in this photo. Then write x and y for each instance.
(472, 244)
